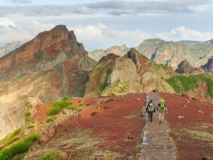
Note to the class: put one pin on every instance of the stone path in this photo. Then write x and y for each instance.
(157, 143)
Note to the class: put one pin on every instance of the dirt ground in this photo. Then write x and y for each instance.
(116, 127)
(191, 125)
(115, 130)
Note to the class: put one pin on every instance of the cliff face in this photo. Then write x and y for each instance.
(50, 66)
(131, 73)
(208, 67)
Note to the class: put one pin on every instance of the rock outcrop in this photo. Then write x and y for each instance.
(51, 65)
(99, 53)
(208, 67)
(131, 73)
(184, 67)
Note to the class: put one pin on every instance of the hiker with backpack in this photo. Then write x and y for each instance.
(150, 109)
(161, 109)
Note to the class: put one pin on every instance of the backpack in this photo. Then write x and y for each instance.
(161, 107)
(151, 107)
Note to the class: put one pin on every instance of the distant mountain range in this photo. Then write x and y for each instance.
(166, 52)
(10, 47)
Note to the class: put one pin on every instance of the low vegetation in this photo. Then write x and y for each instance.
(200, 135)
(12, 137)
(51, 156)
(183, 83)
(50, 119)
(20, 147)
(58, 106)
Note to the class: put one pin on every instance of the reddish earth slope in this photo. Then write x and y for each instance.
(191, 125)
(117, 127)
(115, 130)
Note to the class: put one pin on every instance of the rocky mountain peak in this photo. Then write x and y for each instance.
(110, 56)
(51, 65)
(44, 52)
(184, 67)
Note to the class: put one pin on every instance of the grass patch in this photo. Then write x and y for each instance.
(201, 135)
(21, 146)
(30, 126)
(51, 156)
(66, 98)
(9, 139)
(51, 119)
(57, 107)
(71, 107)
(183, 83)
(19, 157)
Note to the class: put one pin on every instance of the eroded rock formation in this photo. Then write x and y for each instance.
(51, 65)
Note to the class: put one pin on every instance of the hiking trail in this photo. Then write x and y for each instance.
(157, 144)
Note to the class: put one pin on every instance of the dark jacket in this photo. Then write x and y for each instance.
(148, 105)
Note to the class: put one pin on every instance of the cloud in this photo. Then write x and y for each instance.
(131, 7)
(6, 22)
(20, 1)
(102, 36)
(119, 7)
(23, 32)
(183, 33)
(189, 34)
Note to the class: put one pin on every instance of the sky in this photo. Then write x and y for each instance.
(100, 24)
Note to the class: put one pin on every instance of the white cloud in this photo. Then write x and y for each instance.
(183, 33)
(6, 22)
(189, 34)
(101, 36)
(23, 32)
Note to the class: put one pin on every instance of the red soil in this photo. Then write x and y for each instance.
(196, 114)
(117, 122)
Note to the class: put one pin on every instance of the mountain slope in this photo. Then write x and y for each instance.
(50, 66)
(131, 73)
(118, 50)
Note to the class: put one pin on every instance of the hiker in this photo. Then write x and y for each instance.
(161, 109)
(150, 108)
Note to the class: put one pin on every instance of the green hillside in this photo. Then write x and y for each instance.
(183, 83)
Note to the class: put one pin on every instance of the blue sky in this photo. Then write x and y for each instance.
(100, 24)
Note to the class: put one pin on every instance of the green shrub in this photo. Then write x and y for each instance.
(30, 126)
(72, 107)
(50, 156)
(57, 107)
(94, 113)
(21, 146)
(66, 98)
(51, 119)
(14, 133)
(53, 111)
